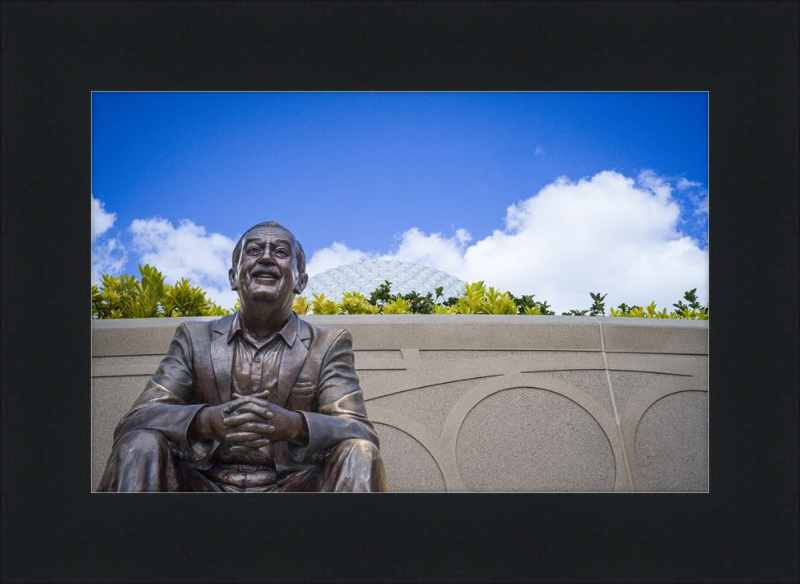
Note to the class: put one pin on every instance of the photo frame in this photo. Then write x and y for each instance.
(56, 54)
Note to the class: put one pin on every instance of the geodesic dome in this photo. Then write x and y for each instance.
(366, 276)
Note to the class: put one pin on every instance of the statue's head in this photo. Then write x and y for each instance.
(268, 265)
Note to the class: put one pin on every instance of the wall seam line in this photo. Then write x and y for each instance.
(614, 406)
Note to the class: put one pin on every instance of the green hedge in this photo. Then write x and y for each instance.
(126, 297)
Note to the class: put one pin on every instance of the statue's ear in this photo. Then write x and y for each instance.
(301, 284)
(232, 279)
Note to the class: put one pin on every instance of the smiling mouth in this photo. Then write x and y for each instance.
(263, 276)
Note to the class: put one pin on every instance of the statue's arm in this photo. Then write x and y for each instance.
(340, 413)
(167, 403)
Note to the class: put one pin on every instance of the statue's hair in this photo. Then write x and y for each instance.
(300, 255)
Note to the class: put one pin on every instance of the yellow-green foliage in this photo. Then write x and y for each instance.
(356, 303)
(478, 299)
(396, 306)
(301, 305)
(183, 299)
(323, 305)
(497, 302)
(115, 296)
(650, 311)
(126, 297)
(473, 300)
(637, 312)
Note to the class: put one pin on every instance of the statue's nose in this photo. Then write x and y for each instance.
(266, 261)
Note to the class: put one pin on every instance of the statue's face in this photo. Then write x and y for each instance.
(266, 270)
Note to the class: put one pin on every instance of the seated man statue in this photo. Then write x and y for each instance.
(257, 401)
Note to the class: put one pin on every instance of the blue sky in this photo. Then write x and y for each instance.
(553, 194)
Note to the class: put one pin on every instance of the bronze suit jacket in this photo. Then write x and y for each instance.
(316, 378)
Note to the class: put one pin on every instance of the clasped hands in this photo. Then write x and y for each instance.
(250, 422)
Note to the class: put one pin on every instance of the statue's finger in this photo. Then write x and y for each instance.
(261, 410)
(243, 437)
(241, 418)
(260, 428)
(261, 395)
(244, 401)
(233, 404)
(251, 399)
(260, 443)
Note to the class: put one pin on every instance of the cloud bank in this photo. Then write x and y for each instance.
(608, 233)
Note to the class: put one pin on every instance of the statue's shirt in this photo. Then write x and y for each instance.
(255, 369)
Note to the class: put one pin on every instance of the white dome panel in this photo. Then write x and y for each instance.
(366, 276)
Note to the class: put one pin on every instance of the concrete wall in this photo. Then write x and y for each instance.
(491, 403)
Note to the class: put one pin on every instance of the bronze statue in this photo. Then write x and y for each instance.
(257, 401)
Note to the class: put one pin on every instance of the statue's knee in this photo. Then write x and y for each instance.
(143, 442)
(360, 448)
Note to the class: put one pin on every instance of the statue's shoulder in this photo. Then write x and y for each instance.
(204, 329)
(320, 335)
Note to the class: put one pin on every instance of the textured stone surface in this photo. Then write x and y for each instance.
(428, 405)
(146, 360)
(672, 443)
(516, 360)
(627, 385)
(688, 365)
(591, 382)
(125, 365)
(371, 332)
(551, 333)
(533, 440)
(112, 397)
(369, 355)
(447, 354)
(655, 335)
(135, 336)
(409, 467)
(374, 379)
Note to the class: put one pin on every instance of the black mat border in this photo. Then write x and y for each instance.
(54, 54)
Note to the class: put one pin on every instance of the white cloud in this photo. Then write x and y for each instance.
(186, 251)
(608, 233)
(108, 257)
(338, 254)
(539, 151)
(657, 185)
(702, 205)
(102, 221)
(684, 184)
(700, 202)
(444, 253)
(108, 254)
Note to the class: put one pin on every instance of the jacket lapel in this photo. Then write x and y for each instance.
(294, 357)
(222, 358)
